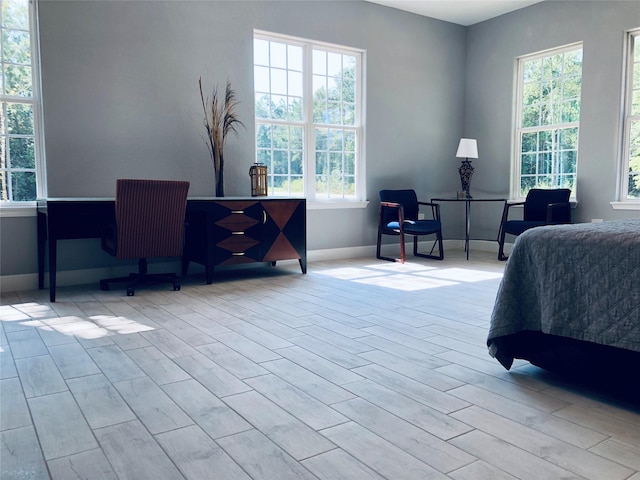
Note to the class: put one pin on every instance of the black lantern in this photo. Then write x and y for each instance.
(258, 174)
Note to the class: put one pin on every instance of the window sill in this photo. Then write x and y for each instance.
(23, 209)
(341, 204)
(625, 205)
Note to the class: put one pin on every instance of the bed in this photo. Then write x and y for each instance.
(569, 300)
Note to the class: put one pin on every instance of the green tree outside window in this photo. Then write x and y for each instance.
(312, 134)
(549, 94)
(17, 125)
(633, 120)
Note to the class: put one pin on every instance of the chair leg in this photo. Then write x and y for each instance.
(379, 255)
(141, 277)
(440, 255)
(379, 249)
(142, 267)
(403, 255)
(501, 255)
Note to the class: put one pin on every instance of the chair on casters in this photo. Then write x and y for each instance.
(398, 215)
(541, 207)
(150, 217)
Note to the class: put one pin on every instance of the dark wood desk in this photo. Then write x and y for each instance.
(220, 231)
(67, 219)
(467, 212)
(234, 231)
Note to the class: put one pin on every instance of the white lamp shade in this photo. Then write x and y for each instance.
(467, 148)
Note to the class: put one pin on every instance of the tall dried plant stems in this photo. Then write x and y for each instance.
(219, 119)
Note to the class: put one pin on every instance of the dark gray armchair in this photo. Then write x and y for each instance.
(541, 207)
(399, 216)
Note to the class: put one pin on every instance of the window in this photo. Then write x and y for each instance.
(547, 120)
(308, 117)
(630, 185)
(19, 111)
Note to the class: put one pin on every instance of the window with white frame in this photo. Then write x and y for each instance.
(547, 120)
(630, 185)
(19, 132)
(308, 117)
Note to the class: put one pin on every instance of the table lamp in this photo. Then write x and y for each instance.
(467, 148)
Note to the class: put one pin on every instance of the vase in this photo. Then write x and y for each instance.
(220, 183)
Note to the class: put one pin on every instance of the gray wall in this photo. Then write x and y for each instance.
(121, 100)
(492, 48)
(121, 93)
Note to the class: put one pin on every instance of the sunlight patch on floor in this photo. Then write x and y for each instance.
(21, 311)
(409, 276)
(120, 324)
(71, 325)
(463, 274)
(408, 283)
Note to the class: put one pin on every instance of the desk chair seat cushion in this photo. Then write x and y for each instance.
(516, 227)
(415, 227)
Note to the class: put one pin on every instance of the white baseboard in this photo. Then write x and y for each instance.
(393, 249)
(29, 281)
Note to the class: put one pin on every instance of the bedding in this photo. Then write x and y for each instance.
(569, 299)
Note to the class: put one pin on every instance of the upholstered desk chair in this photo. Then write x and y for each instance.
(398, 215)
(149, 224)
(541, 207)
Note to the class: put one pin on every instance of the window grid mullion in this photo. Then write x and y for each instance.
(630, 119)
(36, 186)
(335, 111)
(534, 67)
(309, 154)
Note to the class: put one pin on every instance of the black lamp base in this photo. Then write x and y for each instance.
(466, 172)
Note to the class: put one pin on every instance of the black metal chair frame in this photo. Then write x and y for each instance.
(142, 277)
(553, 211)
(401, 232)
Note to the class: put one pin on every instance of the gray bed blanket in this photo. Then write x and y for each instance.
(580, 281)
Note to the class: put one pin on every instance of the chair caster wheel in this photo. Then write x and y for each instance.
(104, 286)
(130, 292)
(176, 287)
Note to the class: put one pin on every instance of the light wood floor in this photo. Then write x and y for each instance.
(361, 369)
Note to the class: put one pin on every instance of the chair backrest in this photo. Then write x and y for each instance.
(535, 206)
(407, 198)
(150, 217)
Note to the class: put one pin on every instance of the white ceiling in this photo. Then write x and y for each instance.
(462, 12)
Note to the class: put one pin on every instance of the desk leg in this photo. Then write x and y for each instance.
(42, 239)
(185, 265)
(467, 221)
(53, 254)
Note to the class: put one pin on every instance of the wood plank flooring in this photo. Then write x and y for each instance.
(361, 369)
